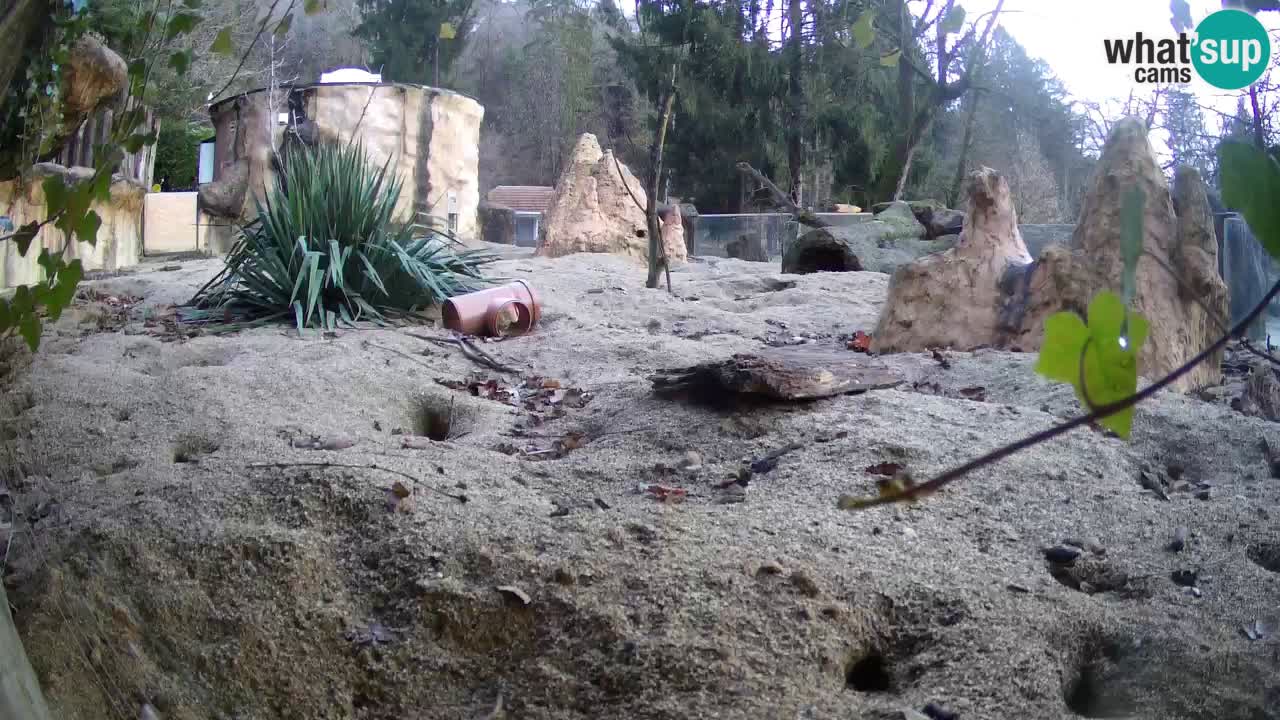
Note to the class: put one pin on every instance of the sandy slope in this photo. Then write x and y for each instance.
(214, 589)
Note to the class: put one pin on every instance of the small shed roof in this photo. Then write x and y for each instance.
(522, 198)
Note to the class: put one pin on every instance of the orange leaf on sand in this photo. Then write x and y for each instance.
(861, 342)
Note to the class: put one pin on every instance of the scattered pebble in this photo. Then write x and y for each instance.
(1179, 541)
(148, 713)
(1255, 630)
(1015, 587)
(692, 461)
(909, 534)
(1195, 592)
(1062, 554)
(938, 712)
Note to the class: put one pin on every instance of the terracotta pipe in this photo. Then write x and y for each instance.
(511, 309)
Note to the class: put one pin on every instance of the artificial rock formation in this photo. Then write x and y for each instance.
(597, 207)
(953, 298)
(987, 292)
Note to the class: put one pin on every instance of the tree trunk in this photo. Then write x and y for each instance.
(657, 252)
(1259, 133)
(966, 142)
(906, 153)
(23, 24)
(795, 101)
(20, 695)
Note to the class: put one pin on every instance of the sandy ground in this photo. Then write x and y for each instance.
(156, 561)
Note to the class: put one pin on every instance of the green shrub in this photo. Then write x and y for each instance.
(178, 154)
(326, 249)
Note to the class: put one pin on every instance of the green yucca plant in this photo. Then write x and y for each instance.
(326, 249)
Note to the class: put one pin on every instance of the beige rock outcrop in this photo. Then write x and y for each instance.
(954, 298)
(985, 292)
(597, 208)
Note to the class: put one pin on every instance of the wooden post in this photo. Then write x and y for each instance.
(20, 695)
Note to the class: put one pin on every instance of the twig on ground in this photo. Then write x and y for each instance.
(472, 353)
(349, 466)
(401, 353)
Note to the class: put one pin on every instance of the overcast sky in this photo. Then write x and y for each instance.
(1068, 35)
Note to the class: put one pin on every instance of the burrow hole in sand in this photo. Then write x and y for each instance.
(868, 673)
(1265, 555)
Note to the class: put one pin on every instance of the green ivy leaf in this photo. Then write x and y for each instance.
(1108, 347)
(864, 31)
(891, 60)
(1131, 232)
(180, 61)
(282, 28)
(24, 235)
(222, 43)
(63, 291)
(312, 7)
(29, 327)
(1251, 184)
(181, 24)
(953, 21)
(87, 228)
(55, 194)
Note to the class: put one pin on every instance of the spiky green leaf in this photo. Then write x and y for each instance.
(222, 44)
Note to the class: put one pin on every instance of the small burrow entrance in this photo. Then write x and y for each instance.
(1089, 692)
(826, 258)
(1265, 555)
(869, 673)
(437, 417)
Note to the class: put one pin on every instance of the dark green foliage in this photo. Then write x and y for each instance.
(178, 155)
(402, 36)
(325, 249)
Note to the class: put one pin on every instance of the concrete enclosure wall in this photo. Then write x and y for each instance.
(119, 242)
(169, 223)
(430, 136)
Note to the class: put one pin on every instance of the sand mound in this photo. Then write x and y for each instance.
(181, 542)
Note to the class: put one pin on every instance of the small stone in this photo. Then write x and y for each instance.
(1062, 554)
(1179, 541)
(805, 584)
(692, 461)
(1087, 588)
(340, 441)
(1195, 592)
(1204, 494)
(938, 712)
(1015, 587)
(148, 713)
(771, 567)
(909, 534)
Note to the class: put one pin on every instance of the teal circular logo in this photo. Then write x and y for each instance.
(1232, 49)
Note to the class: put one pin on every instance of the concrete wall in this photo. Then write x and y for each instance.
(169, 223)
(430, 136)
(119, 242)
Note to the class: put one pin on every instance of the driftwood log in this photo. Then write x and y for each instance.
(797, 372)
